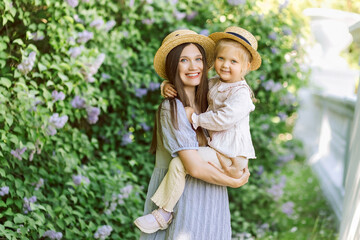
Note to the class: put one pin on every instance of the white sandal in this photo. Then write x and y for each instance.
(147, 227)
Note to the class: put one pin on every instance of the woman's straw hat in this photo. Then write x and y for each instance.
(245, 38)
(177, 38)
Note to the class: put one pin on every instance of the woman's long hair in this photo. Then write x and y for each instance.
(171, 65)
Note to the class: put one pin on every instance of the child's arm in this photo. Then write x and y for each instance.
(234, 108)
(167, 90)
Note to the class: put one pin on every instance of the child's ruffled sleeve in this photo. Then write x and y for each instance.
(175, 140)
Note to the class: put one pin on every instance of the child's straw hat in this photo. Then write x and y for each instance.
(177, 38)
(245, 38)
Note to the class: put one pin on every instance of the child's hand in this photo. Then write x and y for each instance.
(189, 111)
(169, 91)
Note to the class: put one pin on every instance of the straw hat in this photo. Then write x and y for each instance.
(245, 38)
(177, 38)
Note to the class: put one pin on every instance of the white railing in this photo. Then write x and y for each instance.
(350, 224)
(325, 118)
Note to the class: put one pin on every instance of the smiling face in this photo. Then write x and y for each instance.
(232, 62)
(191, 66)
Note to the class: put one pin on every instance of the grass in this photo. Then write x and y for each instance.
(313, 218)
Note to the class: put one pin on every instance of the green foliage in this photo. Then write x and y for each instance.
(78, 95)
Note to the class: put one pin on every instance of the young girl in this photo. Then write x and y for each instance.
(227, 116)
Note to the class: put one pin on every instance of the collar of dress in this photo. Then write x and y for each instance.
(223, 87)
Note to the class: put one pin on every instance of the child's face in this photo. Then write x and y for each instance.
(229, 65)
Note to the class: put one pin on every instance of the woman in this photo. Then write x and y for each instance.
(203, 210)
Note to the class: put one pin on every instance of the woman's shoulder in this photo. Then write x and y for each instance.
(165, 105)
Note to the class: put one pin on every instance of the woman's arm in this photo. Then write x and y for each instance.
(198, 168)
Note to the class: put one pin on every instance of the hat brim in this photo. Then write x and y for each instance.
(256, 58)
(204, 41)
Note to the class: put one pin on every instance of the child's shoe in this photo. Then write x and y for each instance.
(153, 222)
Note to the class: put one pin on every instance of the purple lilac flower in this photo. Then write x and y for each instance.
(72, 3)
(26, 204)
(131, 3)
(236, 2)
(84, 36)
(56, 122)
(264, 126)
(76, 51)
(274, 50)
(148, 21)
(109, 25)
(154, 86)
(53, 235)
(18, 152)
(35, 36)
(295, 46)
(276, 190)
(286, 158)
(76, 179)
(282, 116)
(262, 77)
(93, 114)
(179, 15)
(145, 126)
(260, 170)
(204, 32)
(97, 23)
(286, 31)
(272, 86)
(39, 184)
(288, 208)
(140, 92)
(288, 99)
(127, 190)
(105, 76)
(78, 102)
(4, 191)
(272, 36)
(283, 5)
(192, 15)
(57, 96)
(77, 19)
(103, 232)
(126, 139)
(27, 64)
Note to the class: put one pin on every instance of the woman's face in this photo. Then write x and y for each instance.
(190, 66)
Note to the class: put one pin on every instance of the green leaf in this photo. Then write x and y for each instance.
(19, 41)
(5, 82)
(19, 218)
(2, 172)
(41, 67)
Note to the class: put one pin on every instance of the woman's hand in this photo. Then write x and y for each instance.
(234, 170)
(169, 91)
(238, 182)
(189, 111)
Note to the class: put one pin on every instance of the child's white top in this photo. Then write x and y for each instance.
(227, 118)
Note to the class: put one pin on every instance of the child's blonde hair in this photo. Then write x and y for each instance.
(244, 55)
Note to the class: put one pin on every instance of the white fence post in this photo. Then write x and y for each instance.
(327, 105)
(350, 224)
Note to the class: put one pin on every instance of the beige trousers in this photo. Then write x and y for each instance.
(172, 186)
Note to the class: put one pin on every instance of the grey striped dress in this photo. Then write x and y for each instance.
(202, 212)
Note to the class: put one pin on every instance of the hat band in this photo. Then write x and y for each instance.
(239, 36)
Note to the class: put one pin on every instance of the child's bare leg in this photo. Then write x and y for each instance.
(208, 154)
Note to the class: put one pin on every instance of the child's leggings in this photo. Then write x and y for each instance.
(172, 186)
